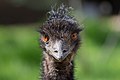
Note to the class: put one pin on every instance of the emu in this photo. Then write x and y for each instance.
(59, 40)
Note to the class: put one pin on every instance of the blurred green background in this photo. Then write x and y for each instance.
(98, 58)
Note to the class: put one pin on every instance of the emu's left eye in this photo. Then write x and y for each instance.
(45, 38)
(74, 36)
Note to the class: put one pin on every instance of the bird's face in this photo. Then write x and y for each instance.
(60, 34)
(60, 47)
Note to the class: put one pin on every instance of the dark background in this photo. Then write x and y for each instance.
(29, 11)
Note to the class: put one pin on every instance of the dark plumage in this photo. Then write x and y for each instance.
(60, 41)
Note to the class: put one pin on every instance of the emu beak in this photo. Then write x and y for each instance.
(59, 52)
(59, 56)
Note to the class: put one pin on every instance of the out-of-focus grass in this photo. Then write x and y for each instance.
(95, 63)
(99, 55)
(20, 55)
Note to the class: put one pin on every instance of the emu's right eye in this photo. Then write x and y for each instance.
(74, 36)
(45, 38)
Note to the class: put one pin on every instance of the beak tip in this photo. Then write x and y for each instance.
(60, 59)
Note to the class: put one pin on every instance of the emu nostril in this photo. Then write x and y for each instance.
(64, 51)
(56, 51)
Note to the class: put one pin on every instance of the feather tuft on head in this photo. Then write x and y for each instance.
(59, 22)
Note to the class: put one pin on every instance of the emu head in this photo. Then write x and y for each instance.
(60, 34)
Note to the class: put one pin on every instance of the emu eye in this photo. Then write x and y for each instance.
(74, 36)
(45, 38)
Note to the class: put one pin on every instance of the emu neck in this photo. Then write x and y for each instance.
(53, 70)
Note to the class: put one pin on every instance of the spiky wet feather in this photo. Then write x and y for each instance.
(59, 22)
